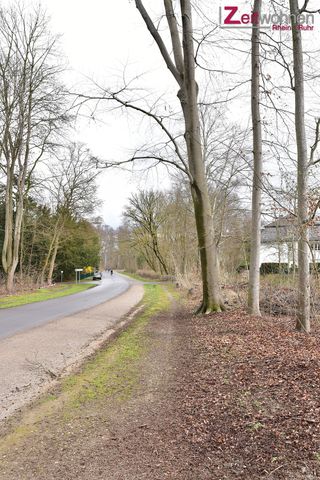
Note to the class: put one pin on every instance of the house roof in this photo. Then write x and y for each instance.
(285, 229)
(282, 222)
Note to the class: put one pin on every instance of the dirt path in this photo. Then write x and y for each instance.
(32, 360)
(221, 397)
(134, 436)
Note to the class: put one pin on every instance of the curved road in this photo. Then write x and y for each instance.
(18, 319)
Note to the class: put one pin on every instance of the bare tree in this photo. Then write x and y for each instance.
(72, 187)
(30, 111)
(303, 321)
(181, 65)
(179, 232)
(227, 168)
(254, 277)
(146, 214)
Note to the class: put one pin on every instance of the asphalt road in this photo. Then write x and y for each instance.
(19, 319)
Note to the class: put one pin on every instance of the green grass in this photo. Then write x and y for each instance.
(43, 294)
(279, 280)
(135, 276)
(112, 373)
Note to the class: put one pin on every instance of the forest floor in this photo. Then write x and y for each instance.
(179, 397)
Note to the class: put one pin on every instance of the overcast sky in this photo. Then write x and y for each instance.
(101, 38)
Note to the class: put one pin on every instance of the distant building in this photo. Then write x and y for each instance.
(279, 242)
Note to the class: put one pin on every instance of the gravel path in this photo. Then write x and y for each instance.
(32, 360)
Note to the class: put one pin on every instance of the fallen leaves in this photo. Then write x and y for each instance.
(252, 398)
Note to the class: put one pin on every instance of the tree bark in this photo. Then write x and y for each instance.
(199, 187)
(8, 224)
(28, 100)
(303, 320)
(16, 241)
(7, 243)
(254, 274)
(183, 71)
(155, 248)
(53, 260)
(11, 252)
(49, 254)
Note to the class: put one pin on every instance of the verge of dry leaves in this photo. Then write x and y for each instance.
(220, 397)
(252, 403)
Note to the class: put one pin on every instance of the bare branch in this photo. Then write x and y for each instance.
(157, 37)
(114, 97)
(175, 38)
(315, 145)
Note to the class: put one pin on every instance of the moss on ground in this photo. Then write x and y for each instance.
(113, 372)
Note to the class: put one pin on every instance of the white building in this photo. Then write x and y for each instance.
(279, 242)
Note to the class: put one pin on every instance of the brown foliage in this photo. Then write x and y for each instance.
(250, 403)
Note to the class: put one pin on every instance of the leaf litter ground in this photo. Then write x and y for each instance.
(223, 396)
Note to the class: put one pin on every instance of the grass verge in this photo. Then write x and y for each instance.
(113, 373)
(43, 294)
(135, 276)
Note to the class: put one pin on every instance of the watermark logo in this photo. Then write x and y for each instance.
(231, 16)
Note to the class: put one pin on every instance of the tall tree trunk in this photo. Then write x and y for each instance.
(10, 252)
(156, 250)
(53, 260)
(22, 246)
(199, 188)
(183, 71)
(254, 275)
(48, 256)
(16, 241)
(8, 226)
(30, 260)
(303, 321)
(11, 246)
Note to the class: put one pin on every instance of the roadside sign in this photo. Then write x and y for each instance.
(78, 277)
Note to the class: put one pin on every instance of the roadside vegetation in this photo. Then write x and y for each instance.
(233, 393)
(47, 181)
(131, 248)
(146, 276)
(112, 374)
(199, 230)
(55, 291)
(179, 396)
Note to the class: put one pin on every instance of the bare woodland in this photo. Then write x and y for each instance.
(232, 168)
(43, 176)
